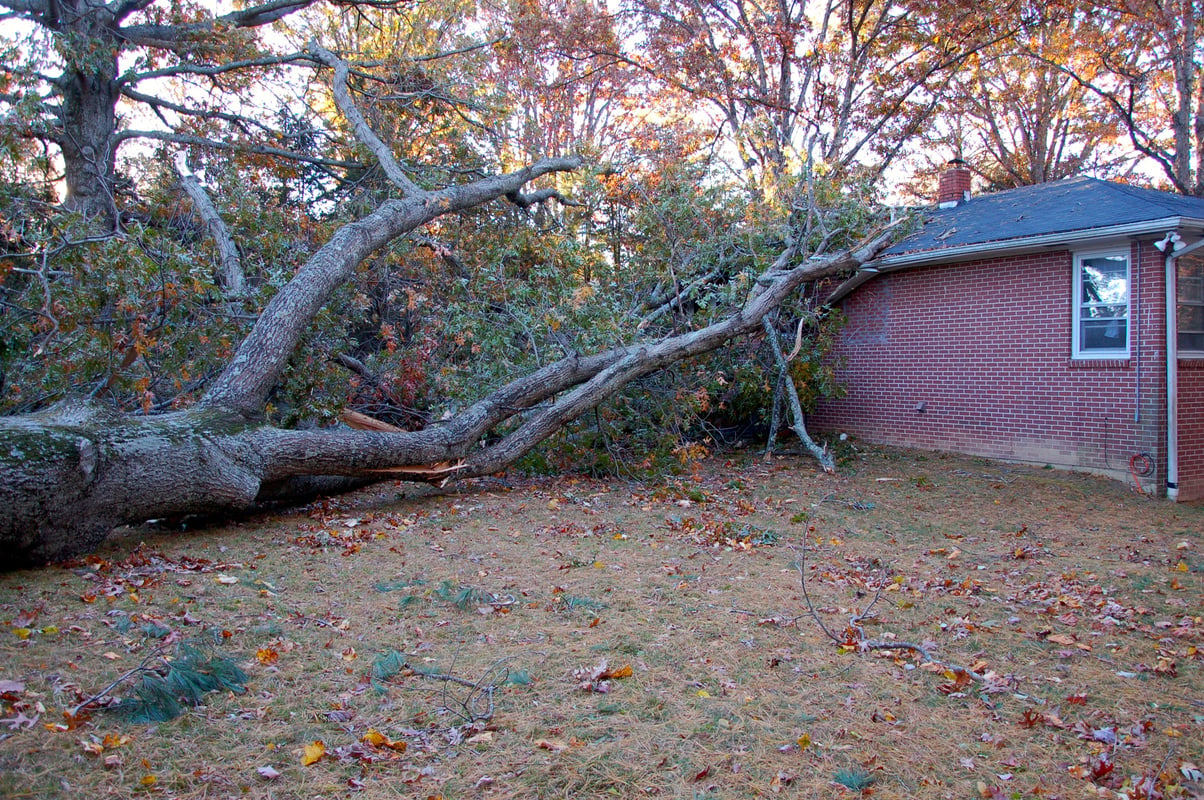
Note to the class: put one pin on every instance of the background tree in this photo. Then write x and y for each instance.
(1017, 115)
(109, 53)
(846, 84)
(1143, 59)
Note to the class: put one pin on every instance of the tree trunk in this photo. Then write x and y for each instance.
(87, 121)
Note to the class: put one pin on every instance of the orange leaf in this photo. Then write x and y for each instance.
(267, 656)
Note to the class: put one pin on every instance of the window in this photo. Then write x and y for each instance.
(1191, 305)
(1101, 305)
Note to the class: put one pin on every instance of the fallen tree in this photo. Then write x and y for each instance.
(72, 473)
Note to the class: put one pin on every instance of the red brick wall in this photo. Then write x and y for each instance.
(1191, 429)
(976, 358)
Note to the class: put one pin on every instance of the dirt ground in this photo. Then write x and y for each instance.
(968, 629)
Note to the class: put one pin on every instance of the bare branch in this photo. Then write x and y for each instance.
(157, 103)
(211, 70)
(233, 278)
(786, 385)
(363, 131)
(238, 147)
(525, 201)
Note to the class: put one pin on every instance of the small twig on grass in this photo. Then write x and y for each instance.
(855, 635)
(478, 705)
(143, 667)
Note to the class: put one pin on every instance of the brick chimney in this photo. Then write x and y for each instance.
(955, 184)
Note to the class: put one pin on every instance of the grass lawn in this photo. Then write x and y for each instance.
(547, 638)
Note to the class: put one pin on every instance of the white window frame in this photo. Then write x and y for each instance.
(1077, 350)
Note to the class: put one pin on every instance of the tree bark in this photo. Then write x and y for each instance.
(86, 130)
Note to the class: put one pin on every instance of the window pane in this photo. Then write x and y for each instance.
(1191, 289)
(1191, 318)
(1105, 280)
(1191, 341)
(1105, 312)
(1103, 334)
(1102, 305)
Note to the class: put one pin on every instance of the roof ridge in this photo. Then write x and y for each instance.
(1158, 197)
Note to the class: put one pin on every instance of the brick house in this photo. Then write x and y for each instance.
(1030, 325)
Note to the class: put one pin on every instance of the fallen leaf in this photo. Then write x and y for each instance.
(113, 740)
(313, 753)
(374, 738)
(555, 745)
(268, 773)
(226, 579)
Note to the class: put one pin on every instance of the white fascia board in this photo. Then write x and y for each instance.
(1066, 239)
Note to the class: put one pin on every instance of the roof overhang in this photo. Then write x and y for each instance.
(1008, 247)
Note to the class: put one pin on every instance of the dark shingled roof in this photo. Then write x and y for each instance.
(1074, 204)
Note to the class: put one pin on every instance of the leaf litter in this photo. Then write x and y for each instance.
(575, 637)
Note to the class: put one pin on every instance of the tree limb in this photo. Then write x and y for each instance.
(244, 384)
(170, 36)
(785, 383)
(211, 70)
(234, 282)
(157, 103)
(363, 131)
(238, 147)
(635, 361)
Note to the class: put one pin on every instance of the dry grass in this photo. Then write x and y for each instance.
(1078, 599)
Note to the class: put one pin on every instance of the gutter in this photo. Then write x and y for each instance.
(1008, 247)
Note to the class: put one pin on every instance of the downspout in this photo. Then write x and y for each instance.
(1172, 371)
(1137, 327)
